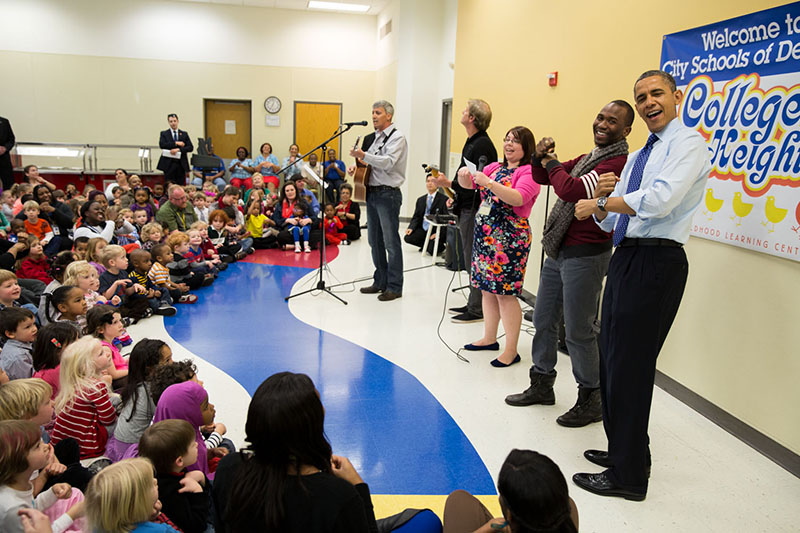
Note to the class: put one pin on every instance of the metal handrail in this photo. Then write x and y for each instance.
(91, 164)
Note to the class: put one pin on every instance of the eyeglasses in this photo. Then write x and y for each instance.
(511, 140)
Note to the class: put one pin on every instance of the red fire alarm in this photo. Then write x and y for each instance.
(552, 79)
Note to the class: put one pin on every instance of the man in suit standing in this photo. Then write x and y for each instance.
(428, 204)
(7, 142)
(177, 142)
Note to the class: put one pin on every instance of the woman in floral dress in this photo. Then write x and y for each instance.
(502, 240)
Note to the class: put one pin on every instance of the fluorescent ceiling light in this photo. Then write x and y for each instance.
(49, 151)
(337, 6)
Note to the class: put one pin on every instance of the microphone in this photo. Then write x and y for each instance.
(481, 163)
(359, 123)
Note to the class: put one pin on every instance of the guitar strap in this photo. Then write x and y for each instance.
(385, 140)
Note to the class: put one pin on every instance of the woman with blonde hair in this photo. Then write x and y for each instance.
(123, 497)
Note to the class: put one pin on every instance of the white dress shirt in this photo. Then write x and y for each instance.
(388, 158)
(672, 188)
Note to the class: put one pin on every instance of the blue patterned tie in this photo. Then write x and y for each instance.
(634, 182)
(425, 222)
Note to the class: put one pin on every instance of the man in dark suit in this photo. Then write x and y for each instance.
(177, 142)
(428, 204)
(7, 142)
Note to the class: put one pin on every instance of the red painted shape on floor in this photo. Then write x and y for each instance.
(290, 258)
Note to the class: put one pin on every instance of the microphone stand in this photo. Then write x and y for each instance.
(320, 285)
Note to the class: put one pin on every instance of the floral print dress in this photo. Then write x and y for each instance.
(501, 243)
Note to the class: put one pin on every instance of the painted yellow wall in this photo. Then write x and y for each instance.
(90, 99)
(736, 339)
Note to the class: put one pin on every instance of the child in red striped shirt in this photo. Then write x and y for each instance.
(84, 404)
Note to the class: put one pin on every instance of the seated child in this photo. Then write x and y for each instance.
(124, 497)
(179, 242)
(179, 372)
(137, 405)
(196, 253)
(7, 203)
(143, 201)
(210, 190)
(20, 190)
(40, 227)
(21, 453)
(333, 226)
(158, 194)
(172, 445)
(159, 300)
(94, 251)
(139, 220)
(16, 231)
(31, 399)
(200, 203)
(105, 323)
(115, 281)
(83, 406)
(18, 327)
(152, 234)
(58, 270)
(129, 238)
(35, 266)
(210, 252)
(260, 226)
(229, 202)
(300, 224)
(84, 275)
(79, 247)
(70, 304)
(189, 401)
(47, 348)
(221, 237)
(161, 255)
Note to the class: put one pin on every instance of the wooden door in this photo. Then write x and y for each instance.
(228, 125)
(313, 123)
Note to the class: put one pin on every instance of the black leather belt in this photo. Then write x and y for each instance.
(626, 242)
(380, 188)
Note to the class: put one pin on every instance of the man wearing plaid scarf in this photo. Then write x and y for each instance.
(578, 253)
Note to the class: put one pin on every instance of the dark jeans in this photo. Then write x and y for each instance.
(332, 192)
(383, 233)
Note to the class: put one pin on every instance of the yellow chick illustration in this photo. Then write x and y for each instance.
(740, 208)
(774, 214)
(712, 203)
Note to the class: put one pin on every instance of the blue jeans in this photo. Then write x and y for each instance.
(383, 234)
(219, 182)
(296, 230)
(569, 287)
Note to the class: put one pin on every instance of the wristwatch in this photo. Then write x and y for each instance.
(601, 203)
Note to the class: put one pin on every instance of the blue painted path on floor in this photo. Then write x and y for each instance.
(391, 427)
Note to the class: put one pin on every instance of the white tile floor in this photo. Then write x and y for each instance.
(703, 478)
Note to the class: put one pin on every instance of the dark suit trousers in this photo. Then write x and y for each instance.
(175, 174)
(642, 295)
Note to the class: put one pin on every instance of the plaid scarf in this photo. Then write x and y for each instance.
(562, 214)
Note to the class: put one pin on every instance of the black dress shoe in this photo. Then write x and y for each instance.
(598, 457)
(475, 348)
(388, 296)
(601, 485)
(372, 289)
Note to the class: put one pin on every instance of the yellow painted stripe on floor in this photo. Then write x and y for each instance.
(389, 504)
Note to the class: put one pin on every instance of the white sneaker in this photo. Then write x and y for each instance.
(308, 248)
(297, 249)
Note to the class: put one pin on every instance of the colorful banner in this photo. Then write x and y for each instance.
(741, 85)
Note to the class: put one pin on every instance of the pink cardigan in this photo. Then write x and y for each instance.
(521, 181)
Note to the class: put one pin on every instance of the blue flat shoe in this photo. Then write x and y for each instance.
(499, 364)
(476, 348)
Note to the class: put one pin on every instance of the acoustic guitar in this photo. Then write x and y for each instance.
(360, 178)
